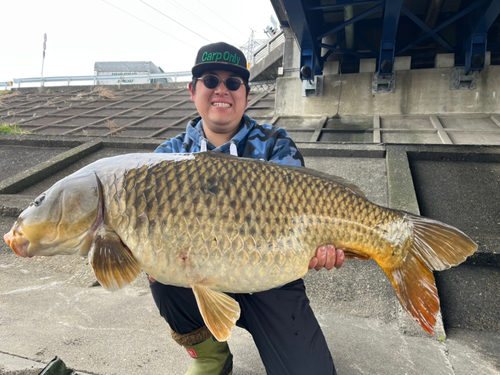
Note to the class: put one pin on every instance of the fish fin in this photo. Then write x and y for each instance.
(219, 311)
(416, 289)
(352, 254)
(435, 246)
(439, 245)
(113, 264)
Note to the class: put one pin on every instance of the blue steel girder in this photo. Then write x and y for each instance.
(475, 45)
(426, 28)
(352, 20)
(388, 44)
(302, 26)
(341, 4)
(434, 32)
(303, 19)
(343, 50)
(339, 27)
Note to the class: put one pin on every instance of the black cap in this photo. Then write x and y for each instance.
(220, 56)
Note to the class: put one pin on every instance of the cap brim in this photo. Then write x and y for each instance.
(199, 69)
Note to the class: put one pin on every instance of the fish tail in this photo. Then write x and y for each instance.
(435, 246)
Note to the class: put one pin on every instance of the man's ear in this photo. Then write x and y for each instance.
(191, 91)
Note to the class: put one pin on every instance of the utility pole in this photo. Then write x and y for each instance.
(43, 59)
(250, 50)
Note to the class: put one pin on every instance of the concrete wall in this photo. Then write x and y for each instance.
(267, 68)
(422, 91)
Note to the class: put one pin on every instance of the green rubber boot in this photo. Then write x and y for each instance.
(210, 357)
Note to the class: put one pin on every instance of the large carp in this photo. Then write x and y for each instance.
(217, 223)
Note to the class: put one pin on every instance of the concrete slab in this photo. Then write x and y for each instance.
(51, 179)
(267, 68)
(21, 158)
(449, 191)
(367, 65)
(422, 91)
(444, 60)
(22, 180)
(470, 296)
(402, 63)
(331, 67)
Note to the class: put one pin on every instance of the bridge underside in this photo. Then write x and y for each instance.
(349, 31)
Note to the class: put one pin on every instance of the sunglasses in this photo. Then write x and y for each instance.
(211, 82)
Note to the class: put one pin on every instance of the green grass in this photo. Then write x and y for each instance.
(6, 128)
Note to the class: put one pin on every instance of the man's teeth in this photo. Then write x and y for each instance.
(221, 104)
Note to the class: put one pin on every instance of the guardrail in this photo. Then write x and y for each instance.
(266, 49)
(95, 79)
(259, 54)
(6, 85)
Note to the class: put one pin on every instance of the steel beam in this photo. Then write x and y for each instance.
(388, 44)
(352, 20)
(475, 45)
(433, 32)
(341, 4)
(426, 28)
(344, 51)
(310, 51)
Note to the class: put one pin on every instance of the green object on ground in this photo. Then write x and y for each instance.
(210, 357)
(57, 367)
(12, 129)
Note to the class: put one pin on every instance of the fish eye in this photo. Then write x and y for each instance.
(39, 200)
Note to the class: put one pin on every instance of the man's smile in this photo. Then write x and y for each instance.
(221, 104)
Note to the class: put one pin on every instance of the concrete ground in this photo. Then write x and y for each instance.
(51, 307)
(48, 308)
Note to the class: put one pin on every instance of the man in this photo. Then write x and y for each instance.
(281, 321)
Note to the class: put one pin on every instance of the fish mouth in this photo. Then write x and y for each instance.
(18, 243)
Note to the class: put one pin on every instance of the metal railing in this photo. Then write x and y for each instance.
(259, 54)
(96, 79)
(6, 85)
(266, 49)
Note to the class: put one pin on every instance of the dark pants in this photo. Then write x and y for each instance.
(281, 322)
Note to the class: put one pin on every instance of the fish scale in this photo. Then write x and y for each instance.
(266, 222)
(217, 223)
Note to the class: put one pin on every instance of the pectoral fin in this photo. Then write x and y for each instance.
(113, 264)
(219, 311)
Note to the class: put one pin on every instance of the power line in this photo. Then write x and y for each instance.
(163, 14)
(124, 11)
(222, 19)
(200, 19)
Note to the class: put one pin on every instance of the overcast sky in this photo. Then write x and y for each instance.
(81, 32)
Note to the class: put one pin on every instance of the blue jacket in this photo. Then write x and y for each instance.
(252, 141)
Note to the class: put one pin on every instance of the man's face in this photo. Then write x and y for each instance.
(220, 109)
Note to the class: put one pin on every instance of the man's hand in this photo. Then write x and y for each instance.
(327, 256)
